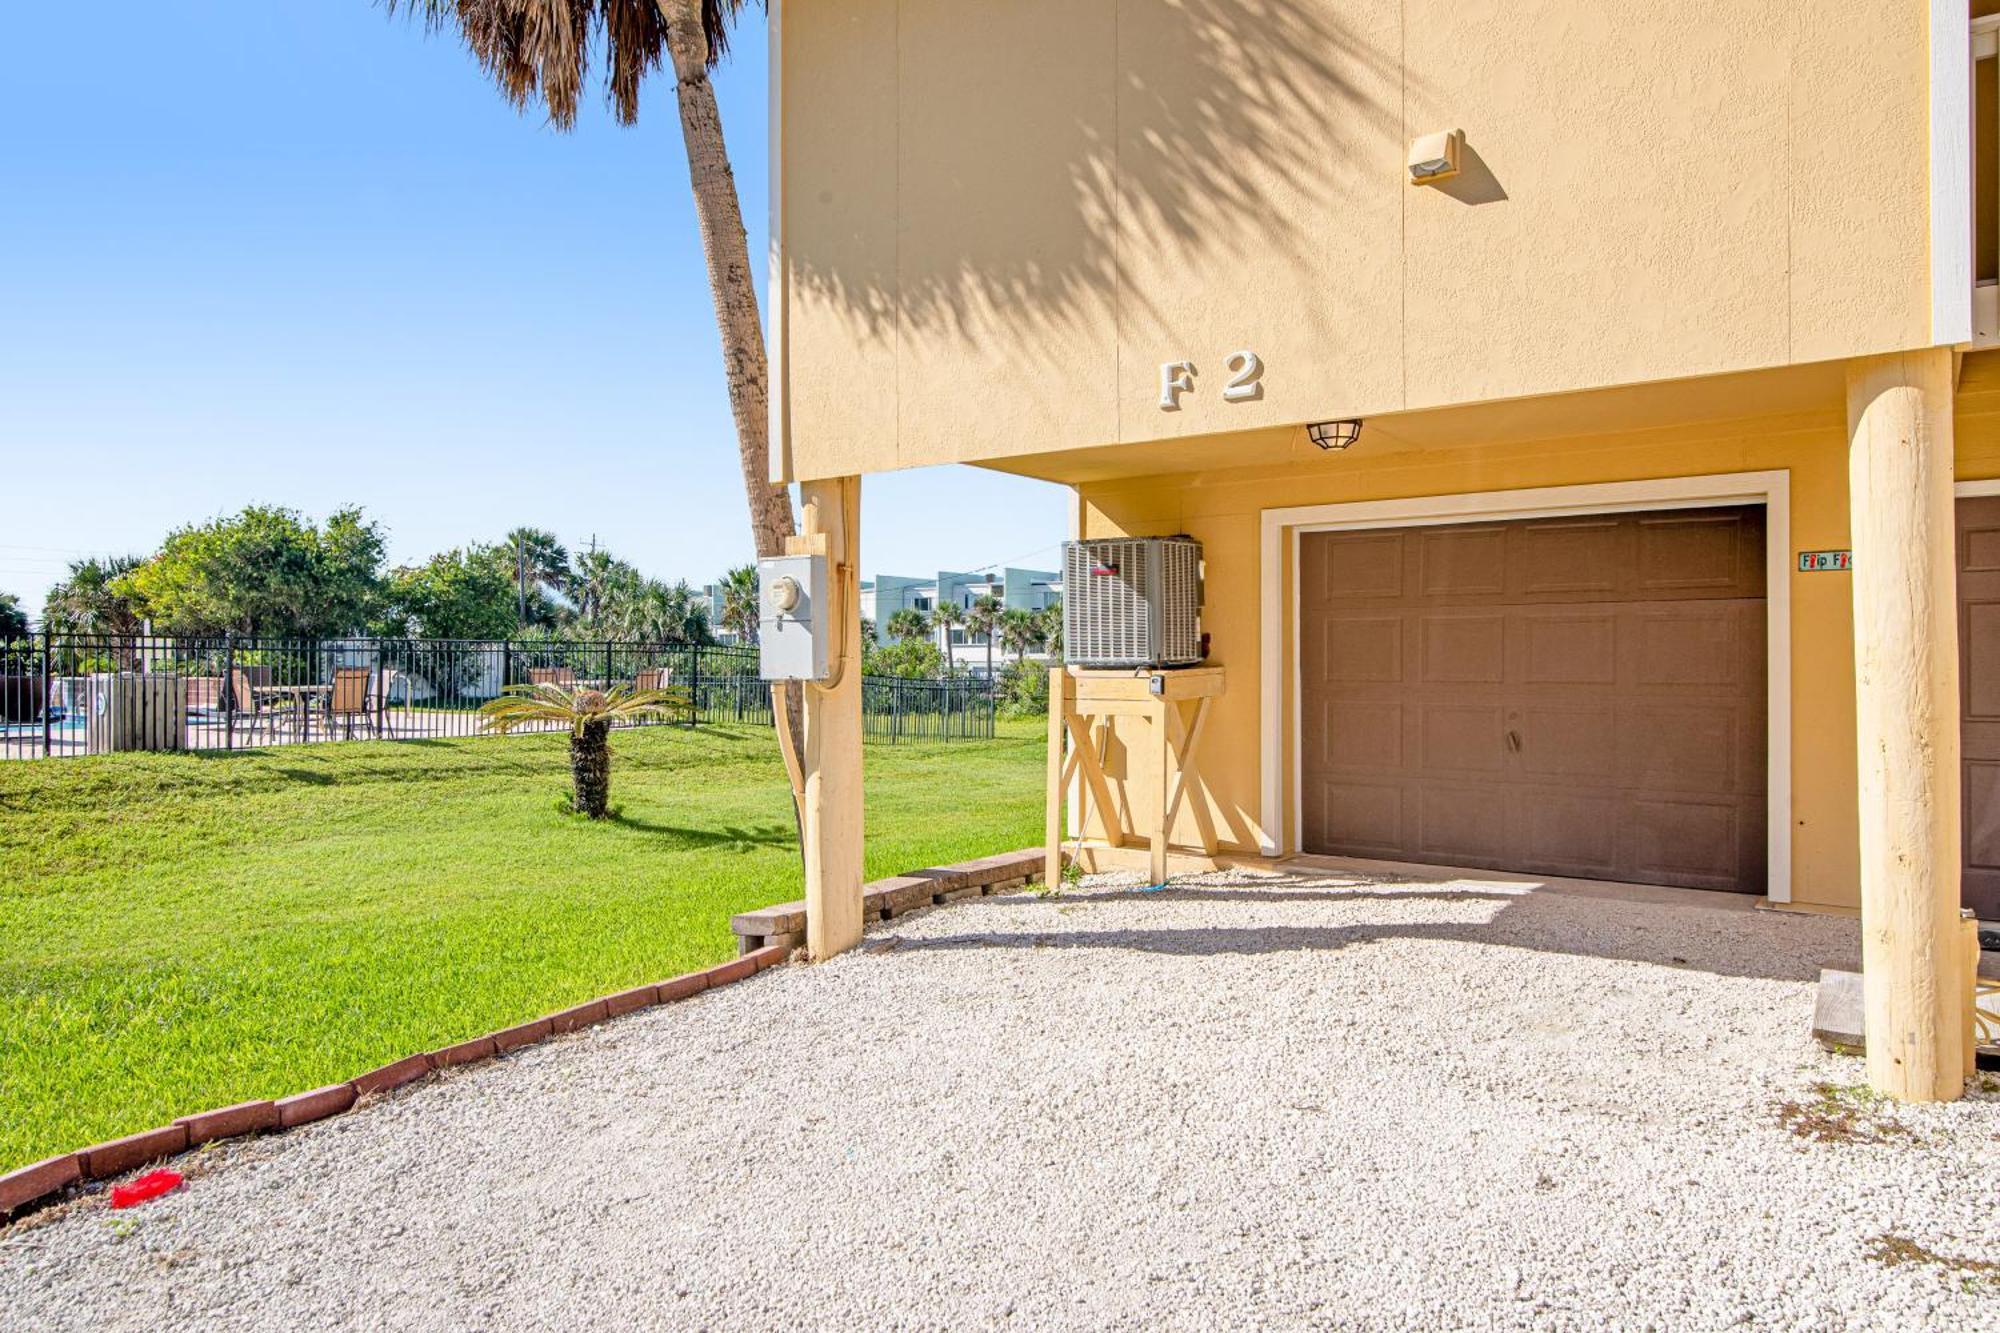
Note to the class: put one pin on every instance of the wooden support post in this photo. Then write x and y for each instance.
(1162, 792)
(1969, 1038)
(1058, 793)
(1906, 693)
(832, 813)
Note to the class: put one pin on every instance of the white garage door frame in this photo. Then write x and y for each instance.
(1279, 826)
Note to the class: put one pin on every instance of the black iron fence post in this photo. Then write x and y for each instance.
(229, 689)
(694, 686)
(48, 692)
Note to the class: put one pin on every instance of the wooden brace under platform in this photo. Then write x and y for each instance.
(1083, 707)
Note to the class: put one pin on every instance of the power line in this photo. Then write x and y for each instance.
(1012, 560)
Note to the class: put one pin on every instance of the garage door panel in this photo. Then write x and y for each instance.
(1358, 650)
(1463, 823)
(1694, 550)
(1979, 546)
(1363, 819)
(1569, 647)
(1697, 645)
(1602, 715)
(1982, 830)
(1362, 735)
(1462, 562)
(1572, 742)
(1570, 833)
(1698, 845)
(1979, 701)
(1981, 653)
(1563, 558)
(1370, 566)
(1463, 737)
(1463, 648)
(1692, 748)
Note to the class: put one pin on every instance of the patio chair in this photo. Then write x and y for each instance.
(350, 701)
(562, 677)
(252, 712)
(653, 678)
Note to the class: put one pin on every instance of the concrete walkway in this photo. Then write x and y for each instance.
(1366, 1099)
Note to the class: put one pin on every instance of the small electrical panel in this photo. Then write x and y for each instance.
(792, 631)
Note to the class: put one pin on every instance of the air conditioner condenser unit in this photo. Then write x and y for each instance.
(1132, 602)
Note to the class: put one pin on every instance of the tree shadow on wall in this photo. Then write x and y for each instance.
(1174, 136)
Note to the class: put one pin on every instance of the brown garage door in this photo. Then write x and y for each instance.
(1573, 696)
(1979, 699)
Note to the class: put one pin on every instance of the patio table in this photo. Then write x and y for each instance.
(302, 697)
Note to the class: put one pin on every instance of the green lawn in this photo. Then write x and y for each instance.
(184, 932)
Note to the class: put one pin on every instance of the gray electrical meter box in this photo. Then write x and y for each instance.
(792, 637)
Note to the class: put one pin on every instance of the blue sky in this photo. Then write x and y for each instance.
(300, 253)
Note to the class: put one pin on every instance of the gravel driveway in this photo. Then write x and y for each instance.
(1340, 1099)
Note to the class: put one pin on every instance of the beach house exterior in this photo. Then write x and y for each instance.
(1587, 411)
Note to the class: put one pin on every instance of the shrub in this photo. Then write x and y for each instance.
(1024, 689)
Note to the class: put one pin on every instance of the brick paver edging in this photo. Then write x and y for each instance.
(41, 1182)
(885, 899)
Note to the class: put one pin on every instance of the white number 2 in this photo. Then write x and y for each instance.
(1246, 369)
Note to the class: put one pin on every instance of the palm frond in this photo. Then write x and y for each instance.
(542, 49)
(546, 704)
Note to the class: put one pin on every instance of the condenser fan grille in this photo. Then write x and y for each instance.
(1132, 602)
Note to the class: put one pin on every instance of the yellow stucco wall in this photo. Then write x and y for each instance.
(998, 220)
(1224, 510)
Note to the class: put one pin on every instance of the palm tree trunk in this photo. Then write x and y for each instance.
(590, 769)
(720, 214)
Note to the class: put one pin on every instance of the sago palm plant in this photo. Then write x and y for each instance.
(588, 714)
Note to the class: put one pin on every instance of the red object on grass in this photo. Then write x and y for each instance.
(149, 1186)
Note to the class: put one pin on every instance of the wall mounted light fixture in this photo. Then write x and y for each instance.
(1334, 434)
(1434, 157)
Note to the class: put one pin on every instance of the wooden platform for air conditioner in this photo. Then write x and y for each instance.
(1083, 706)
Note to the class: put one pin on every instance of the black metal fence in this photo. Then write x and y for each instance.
(72, 694)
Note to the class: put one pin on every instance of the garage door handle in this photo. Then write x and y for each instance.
(1514, 741)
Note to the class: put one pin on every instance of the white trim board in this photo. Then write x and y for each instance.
(1967, 490)
(1279, 828)
(1951, 173)
(777, 286)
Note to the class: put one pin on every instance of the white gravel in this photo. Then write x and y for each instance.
(1339, 1100)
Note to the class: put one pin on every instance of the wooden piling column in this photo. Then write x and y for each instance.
(1907, 719)
(832, 814)
(1058, 779)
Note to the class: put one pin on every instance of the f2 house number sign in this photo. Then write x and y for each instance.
(1245, 383)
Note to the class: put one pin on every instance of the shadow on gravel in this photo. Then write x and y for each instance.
(1252, 897)
(1694, 938)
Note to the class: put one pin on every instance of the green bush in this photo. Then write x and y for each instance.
(1024, 689)
(911, 659)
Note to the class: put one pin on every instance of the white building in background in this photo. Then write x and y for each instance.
(1017, 590)
(886, 594)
